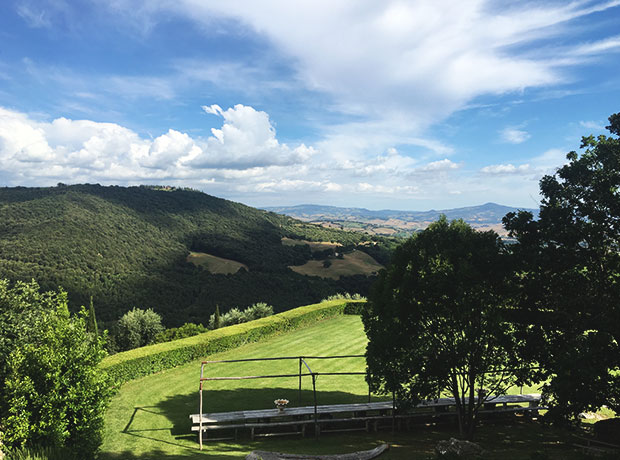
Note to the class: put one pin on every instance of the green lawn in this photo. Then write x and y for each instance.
(148, 419)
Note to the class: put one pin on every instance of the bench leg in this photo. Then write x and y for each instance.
(303, 430)
(252, 433)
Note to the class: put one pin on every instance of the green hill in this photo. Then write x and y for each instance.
(129, 246)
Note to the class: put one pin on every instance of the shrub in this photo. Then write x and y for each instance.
(154, 358)
(258, 310)
(137, 328)
(236, 316)
(345, 296)
(175, 333)
(52, 392)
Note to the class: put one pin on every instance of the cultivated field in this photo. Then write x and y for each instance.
(216, 265)
(314, 245)
(354, 263)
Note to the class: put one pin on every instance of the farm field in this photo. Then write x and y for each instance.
(148, 419)
(354, 263)
(314, 245)
(214, 264)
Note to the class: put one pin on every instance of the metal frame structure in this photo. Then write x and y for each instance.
(302, 362)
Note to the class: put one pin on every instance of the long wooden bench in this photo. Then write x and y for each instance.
(364, 416)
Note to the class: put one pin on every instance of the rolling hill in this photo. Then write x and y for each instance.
(129, 246)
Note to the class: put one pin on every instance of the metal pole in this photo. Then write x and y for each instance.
(368, 380)
(300, 380)
(316, 423)
(393, 412)
(202, 367)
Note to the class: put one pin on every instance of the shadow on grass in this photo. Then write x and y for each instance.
(507, 437)
(178, 408)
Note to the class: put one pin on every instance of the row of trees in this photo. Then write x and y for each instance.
(459, 311)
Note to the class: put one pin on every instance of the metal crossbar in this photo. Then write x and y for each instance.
(301, 359)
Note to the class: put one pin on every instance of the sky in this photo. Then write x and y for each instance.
(409, 105)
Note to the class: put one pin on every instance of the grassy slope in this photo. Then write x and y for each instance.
(215, 264)
(149, 417)
(355, 263)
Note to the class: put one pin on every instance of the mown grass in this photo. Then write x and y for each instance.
(148, 419)
(354, 263)
(214, 264)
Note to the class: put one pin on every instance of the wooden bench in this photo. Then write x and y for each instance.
(349, 417)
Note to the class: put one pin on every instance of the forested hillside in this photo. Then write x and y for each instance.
(128, 246)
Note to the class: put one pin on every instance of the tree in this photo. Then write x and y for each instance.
(569, 273)
(217, 317)
(137, 328)
(51, 390)
(437, 320)
(92, 319)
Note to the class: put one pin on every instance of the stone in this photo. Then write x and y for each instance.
(456, 447)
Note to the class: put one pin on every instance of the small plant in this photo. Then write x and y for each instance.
(281, 404)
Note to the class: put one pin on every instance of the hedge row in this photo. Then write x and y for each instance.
(139, 362)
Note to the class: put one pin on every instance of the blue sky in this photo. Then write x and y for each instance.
(394, 104)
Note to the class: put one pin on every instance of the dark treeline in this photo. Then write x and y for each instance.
(127, 246)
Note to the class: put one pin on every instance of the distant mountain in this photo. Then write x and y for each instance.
(392, 222)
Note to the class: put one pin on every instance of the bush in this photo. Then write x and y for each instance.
(137, 328)
(258, 310)
(345, 296)
(52, 392)
(175, 333)
(236, 316)
(154, 358)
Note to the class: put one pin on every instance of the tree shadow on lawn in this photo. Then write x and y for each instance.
(507, 437)
(177, 408)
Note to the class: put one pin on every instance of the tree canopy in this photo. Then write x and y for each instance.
(569, 276)
(128, 246)
(437, 320)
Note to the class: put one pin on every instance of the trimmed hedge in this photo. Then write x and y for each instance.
(139, 362)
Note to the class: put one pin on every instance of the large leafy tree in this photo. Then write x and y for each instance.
(570, 277)
(51, 390)
(437, 320)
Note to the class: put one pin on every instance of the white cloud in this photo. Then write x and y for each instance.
(397, 66)
(441, 165)
(34, 17)
(593, 125)
(86, 150)
(545, 163)
(514, 135)
(504, 169)
(247, 138)
(416, 61)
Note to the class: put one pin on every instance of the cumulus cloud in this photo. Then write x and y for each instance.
(247, 138)
(72, 149)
